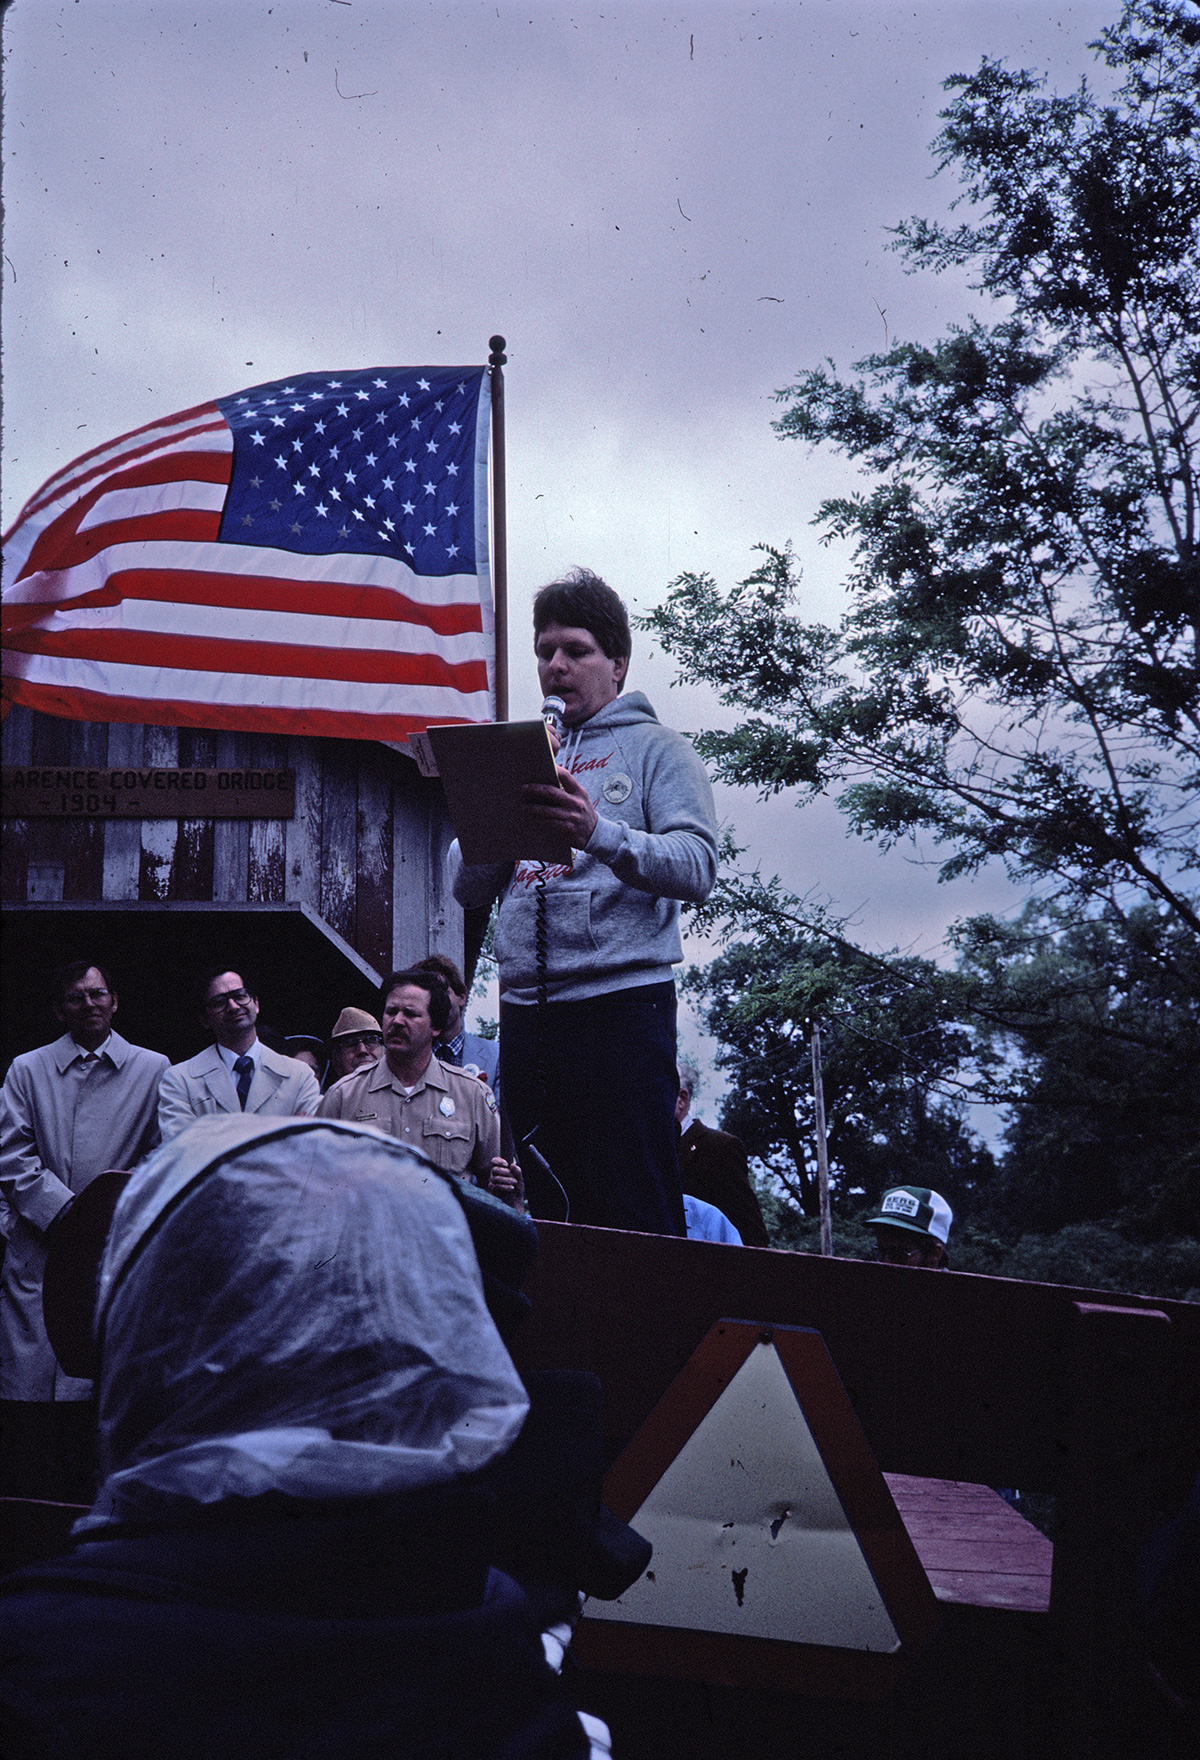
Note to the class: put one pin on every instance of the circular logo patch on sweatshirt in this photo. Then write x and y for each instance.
(617, 789)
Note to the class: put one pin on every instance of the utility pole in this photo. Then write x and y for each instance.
(822, 1145)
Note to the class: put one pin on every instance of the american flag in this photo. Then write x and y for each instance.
(309, 556)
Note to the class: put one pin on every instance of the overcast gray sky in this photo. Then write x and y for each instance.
(667, 210)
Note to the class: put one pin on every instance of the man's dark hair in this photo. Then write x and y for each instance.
(581, 600)
(71, 973)
(444, 966)
(431, 982)
(211, 973)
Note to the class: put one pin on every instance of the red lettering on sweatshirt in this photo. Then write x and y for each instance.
(529, 873)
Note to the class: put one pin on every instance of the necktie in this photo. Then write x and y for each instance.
(245, 1075)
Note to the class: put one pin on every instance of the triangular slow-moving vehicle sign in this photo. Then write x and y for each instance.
(779, 1557)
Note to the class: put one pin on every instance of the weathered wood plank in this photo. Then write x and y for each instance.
(266, 863)
(231, 837)
(302, 833)
(160, 837)
(194, 845)
(16, 747)
(954, 1524)
(83, 852)
(122, 837)
(44, 881)
(410, 853)
(373, 931)
(48, 837)
(445, 916)
(339, 818)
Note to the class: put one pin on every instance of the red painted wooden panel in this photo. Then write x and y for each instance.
(976, 1549)
(952, 1376)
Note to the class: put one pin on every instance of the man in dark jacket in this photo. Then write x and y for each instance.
(713, 1167)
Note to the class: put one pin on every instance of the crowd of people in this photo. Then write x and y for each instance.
(90, 1102)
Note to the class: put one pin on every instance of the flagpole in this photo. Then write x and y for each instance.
(496, 360)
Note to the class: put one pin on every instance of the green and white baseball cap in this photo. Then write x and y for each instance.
(917, 1209)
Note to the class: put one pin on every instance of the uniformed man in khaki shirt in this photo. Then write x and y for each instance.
(446, 1114)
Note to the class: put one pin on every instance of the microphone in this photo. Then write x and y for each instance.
(553, 710)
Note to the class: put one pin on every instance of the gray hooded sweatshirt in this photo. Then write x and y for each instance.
(612, 915)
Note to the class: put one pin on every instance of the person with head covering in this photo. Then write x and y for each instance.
(355, 1043)
(305, 1048)
(289, 1554)
(912, 1226)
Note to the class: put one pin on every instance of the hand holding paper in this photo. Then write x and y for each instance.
(566, 808)
(486, 769)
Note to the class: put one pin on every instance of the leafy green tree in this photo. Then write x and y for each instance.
(891, 1052)
(1090, 1029)
(1018, 673)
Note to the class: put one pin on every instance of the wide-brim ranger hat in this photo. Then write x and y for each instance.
(917, 1209)
(355, 1020)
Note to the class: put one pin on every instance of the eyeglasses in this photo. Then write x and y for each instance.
(231, 999)
(77, 998)
(897, 1255)
(355, 1041)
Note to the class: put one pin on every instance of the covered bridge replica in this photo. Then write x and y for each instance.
(321, 866)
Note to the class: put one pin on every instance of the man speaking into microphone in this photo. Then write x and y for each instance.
(586, 949)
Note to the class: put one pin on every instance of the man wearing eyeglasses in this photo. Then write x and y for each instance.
(355, 1042)
(912, 1227)
(238, 1073)
(68, 1111)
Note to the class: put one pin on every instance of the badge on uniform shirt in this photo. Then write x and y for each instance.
(617, 789)
(446, 1106)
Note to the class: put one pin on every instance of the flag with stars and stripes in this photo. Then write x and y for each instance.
(309, 556)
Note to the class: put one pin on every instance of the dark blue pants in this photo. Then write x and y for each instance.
(606, 1111)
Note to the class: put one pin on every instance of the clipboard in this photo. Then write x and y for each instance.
(483, 768)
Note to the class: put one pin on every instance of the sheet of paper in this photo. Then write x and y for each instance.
(483, 769)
